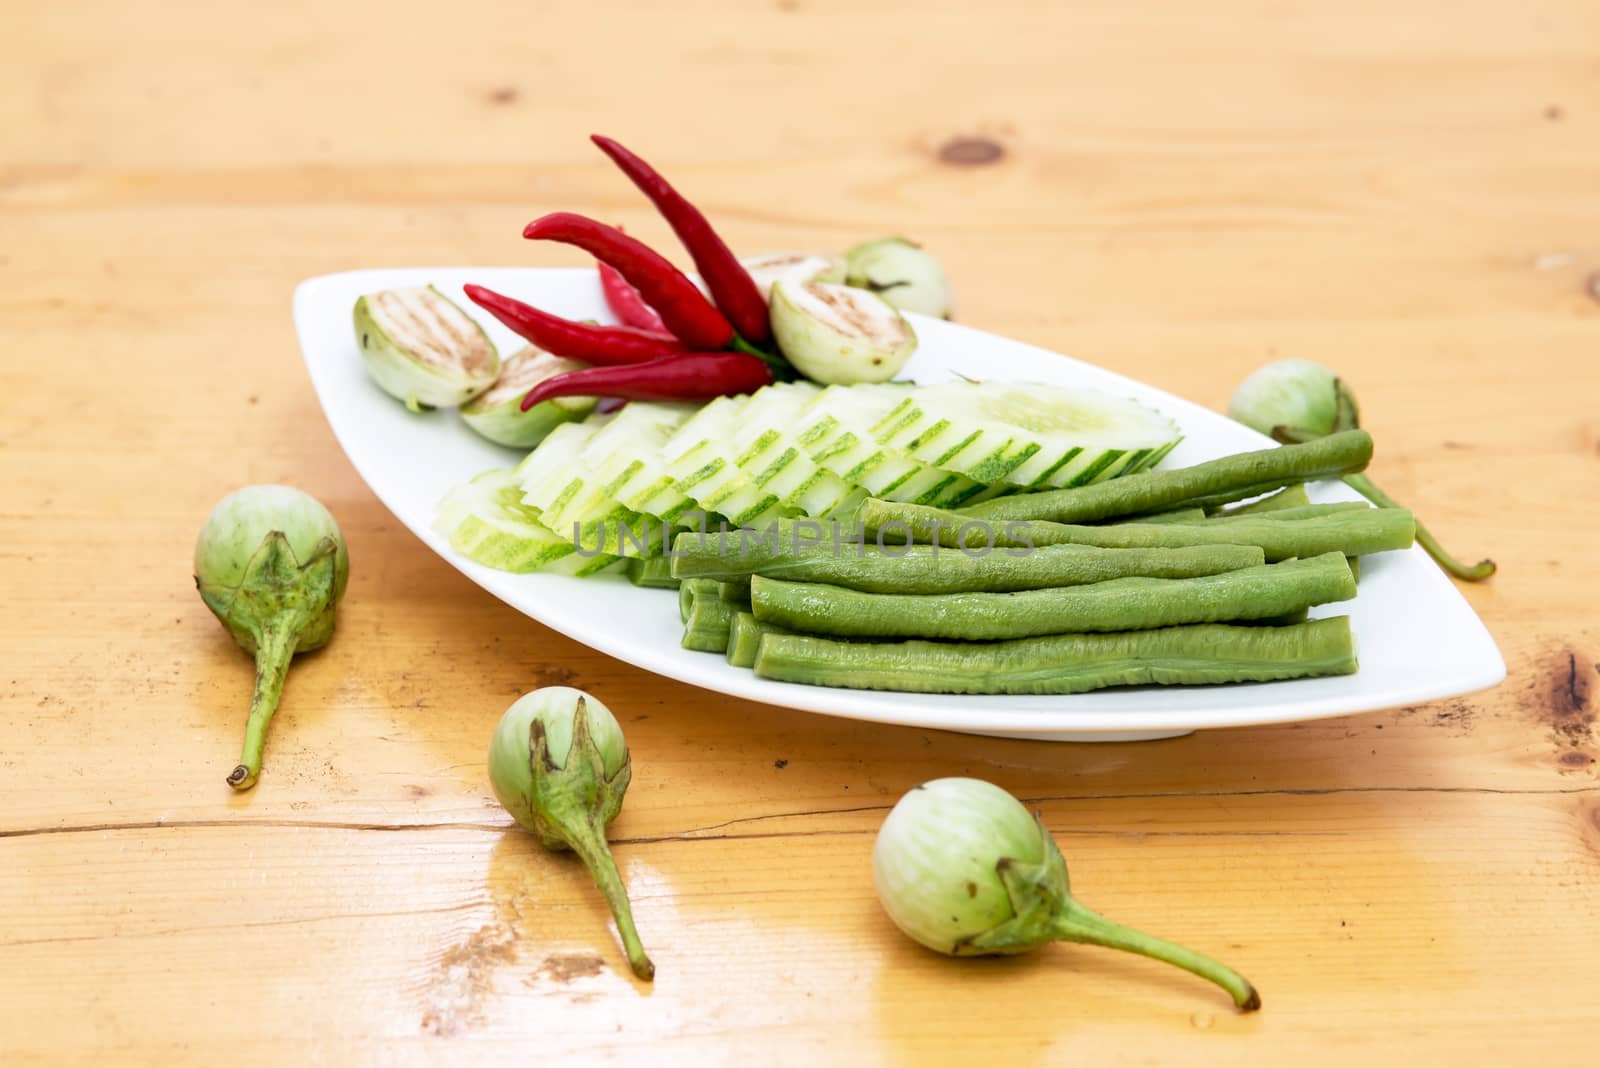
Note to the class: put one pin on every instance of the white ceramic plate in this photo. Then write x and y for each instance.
(1418, 638)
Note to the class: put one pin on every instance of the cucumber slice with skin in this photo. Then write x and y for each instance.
(1031, 436)
(497, 413)
(838, 435)
(705, 462)
(590, 502)
(486, 521)
(839, 335)
(757, 478)
(770, 452)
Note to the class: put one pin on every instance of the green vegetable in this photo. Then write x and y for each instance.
(271, 564)
(1292, 512)
(963, 868)
(835, 334)
(901, 273)
(1289, 497)
(1301, 401)
(497, 413)
(1230, 478)
(935, 569)
(735, 590)
(691, 591)
(1177, 515)
(487, 521)
(706, 627)
(1120, 604)
(1354, 533)
(560, 766)
(422, 349)
(744, 638)
(1027, 434)
(653, 572)
(1200, 654)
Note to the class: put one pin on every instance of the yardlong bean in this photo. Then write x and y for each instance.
(1231, 478)
(1288, 497)
(1121, 604)
(706, 627)
(1299, 511)
(744, 638)
(1177, 515)
(936, 569)
(1069, 663)
(1353, 532)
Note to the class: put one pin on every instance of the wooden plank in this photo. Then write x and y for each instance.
(1407, 196)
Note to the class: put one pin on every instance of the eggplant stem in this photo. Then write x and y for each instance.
(1466, 572)
(1078, 924)
(590, 845)
(275, 648)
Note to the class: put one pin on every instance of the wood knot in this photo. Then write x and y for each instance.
(971, 152)
(504, 95)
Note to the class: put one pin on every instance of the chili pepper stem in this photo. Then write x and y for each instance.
(275, 647)
(782, 369)
(1075, 923)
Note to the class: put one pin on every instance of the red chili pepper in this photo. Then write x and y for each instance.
(578, 341)
(730, 284)
(699, 376)
(625, 302)
(683, 308)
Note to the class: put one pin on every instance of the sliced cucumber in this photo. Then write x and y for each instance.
(590, 498)
(770, 452)
(487, 521)
(705, 462)
(838, 435)
(1031, 436)
(836, 334)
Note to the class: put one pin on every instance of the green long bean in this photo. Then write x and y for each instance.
(1299, 511)
(1121, 604)
(1231, 478)
(693, 590)
(1354, 532)
(1177, 515)
(708, 622)
(936, 569)
(1069, 663)
(744, 638)
(1289, 497)
(652, 572)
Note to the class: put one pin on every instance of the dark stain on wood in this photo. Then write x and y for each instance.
(971, 152)
(567, 967)
(463, 978)
(1554, 113)
(1568, 708)
(416, 792)
(504, 95)
(1593, 285)
(554, 675)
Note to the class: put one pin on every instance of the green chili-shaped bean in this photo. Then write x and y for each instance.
(1121, 604)
(1069, 663)
(1231, 478)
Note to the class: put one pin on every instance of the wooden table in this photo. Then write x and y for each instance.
(1409, 197)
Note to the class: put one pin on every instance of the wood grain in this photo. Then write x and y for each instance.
(1176, 192)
